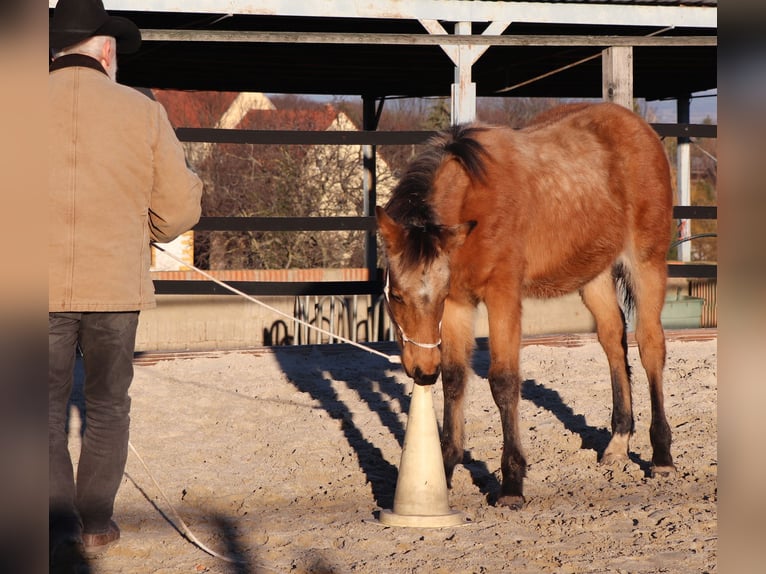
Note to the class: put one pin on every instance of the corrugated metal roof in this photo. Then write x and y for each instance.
(677, 13)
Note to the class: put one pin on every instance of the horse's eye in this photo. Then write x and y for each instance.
(396, 297)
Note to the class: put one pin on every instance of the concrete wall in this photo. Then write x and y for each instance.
(207, 322)
(202, 322)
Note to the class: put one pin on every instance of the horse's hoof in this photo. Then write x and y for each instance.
(662, 471)
(611, 458)
(617, 450)
(512, 502)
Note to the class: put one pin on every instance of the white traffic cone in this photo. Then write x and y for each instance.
(421, 488)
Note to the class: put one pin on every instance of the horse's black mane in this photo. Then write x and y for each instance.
(410, 200)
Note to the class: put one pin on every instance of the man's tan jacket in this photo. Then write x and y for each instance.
(117, 179)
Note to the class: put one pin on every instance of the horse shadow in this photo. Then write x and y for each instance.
(592, 437)
(378, 390)
(374, 387)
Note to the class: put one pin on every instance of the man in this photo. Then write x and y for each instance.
(118, 180)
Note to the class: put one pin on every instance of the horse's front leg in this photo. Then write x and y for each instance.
(504, 311)
(457, 347)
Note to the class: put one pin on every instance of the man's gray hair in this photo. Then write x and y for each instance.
(90, 47)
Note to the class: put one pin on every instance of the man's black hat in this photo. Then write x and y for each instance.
(77, 20)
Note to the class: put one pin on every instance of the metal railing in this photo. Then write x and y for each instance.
(334, 305)
(373, 285)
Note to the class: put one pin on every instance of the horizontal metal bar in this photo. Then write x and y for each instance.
(304, 137)
(319, 288)
(686, 130)
(368, 223)
(343, 223)
(356, 38)
(268, 288)
(695, 212)
(693, 270)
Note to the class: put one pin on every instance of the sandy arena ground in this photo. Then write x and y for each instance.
(283, 457)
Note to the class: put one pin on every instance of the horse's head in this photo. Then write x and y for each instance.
(417, 285)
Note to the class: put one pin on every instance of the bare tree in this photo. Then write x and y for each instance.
(283, 180)
(514, 112)
(304, 180)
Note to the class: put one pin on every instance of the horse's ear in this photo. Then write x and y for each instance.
(455, 236)
(391, 232)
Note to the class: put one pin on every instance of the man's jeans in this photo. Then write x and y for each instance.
(107, 341)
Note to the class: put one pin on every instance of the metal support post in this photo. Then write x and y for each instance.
(683, 177)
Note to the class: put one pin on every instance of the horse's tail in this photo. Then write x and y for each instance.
(461, 142)
(624, 285)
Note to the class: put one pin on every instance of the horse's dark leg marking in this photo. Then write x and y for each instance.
(457, 347)
(504, 310)
(600, 297)
(650, 296)
(659, 431)
(506, 390)
(453, 382)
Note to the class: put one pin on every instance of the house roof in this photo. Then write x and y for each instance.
(194, 111)
(376, 49)
(188, 109)
(317, 119)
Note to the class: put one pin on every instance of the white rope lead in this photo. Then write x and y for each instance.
(185, 529)
(189, 534)
(391, 358)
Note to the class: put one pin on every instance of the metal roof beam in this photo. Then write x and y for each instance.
(616, 14)
(420, 39)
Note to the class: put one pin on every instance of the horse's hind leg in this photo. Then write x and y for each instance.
(600, 297)
(649, 280)
(457, 346)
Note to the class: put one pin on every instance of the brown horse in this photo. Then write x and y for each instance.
(578, 200)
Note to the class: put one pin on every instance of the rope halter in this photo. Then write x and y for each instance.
(405, 338)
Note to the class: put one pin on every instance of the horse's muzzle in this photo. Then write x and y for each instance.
(424, 379)
(423, 365)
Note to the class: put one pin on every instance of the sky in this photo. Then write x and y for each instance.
(703, 105)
